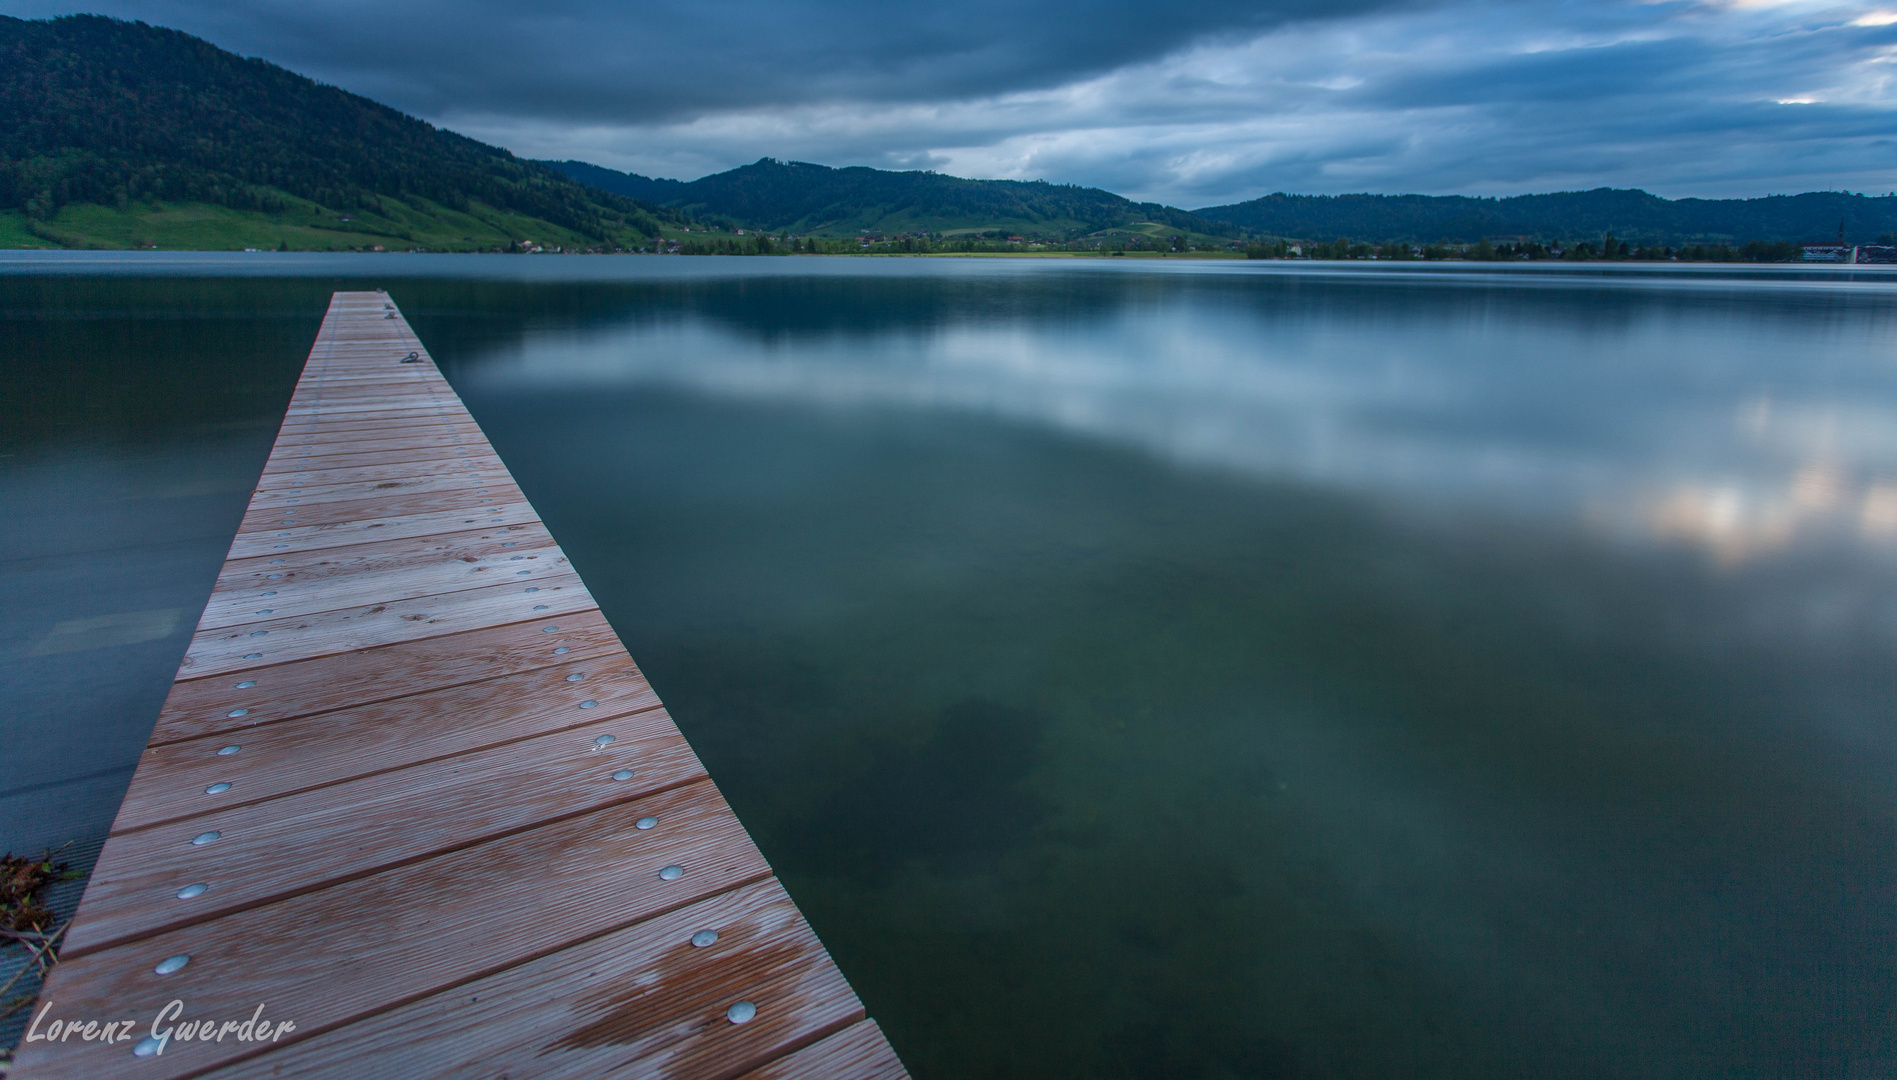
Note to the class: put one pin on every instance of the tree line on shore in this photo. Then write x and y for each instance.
(1608, 249)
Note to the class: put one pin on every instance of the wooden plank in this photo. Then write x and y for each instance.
(464, 493)
(284, 569)
(420, 447)
(282, 495)
(376, 468)
(503, 519)
(858, 1052)
(413, 441)
(368, 411)
(326, 958)
(274, 760)
(397, 795)
(277, 641)
(309, 582)
(199, 707)
(329, 432)
(372, 824)
(643, 1001)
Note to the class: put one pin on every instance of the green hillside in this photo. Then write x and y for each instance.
(116, 132)
(799, 197)
(1571, 215)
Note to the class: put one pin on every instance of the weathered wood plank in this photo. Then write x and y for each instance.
(200, 707)
(299, 755)
(277, 641)
(371, 824)
(338, 455)
(326, 958)
(502, 518)
(333, 578)
(377, 468)
(298, 494)
(858, 1052)
(458, 493)
(640, 1002)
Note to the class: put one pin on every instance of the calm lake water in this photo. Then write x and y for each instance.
(1197, 670)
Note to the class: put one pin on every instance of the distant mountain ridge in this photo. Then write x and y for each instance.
(799, 197)
(110, 130)
(1631, 215)
(100, 111)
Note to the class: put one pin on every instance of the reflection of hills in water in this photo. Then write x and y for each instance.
(1564, 393)
(1085, 765)
(1087, 761)
(1273, 779)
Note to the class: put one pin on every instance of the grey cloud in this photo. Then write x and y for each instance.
(1219, 103)
(603, 61)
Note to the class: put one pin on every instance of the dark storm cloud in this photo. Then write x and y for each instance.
(594, 60)
(1204, 104)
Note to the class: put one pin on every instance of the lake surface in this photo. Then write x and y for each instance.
(1195, 670)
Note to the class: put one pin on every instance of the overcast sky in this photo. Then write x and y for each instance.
(1192, 105)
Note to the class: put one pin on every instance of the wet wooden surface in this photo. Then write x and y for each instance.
(410, 795)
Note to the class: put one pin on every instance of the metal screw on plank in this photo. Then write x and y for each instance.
(172, 963)
(645, 823)
(253, 656)
(623, 774)
(238, 712)
(218, 788)
(604, 741)
(671, 873)
(246, 684)
(577, 678)
(227, 751)
(740, 1013)
(561, 651)
(589, 704)
(204, 838)
(704, 938)
(193, 891)
(266, 611)
(549, 629)
(540, 607)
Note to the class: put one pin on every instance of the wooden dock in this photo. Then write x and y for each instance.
(410, 795)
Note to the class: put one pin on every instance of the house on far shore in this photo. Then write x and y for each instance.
(1877, 253)
(1830, 253)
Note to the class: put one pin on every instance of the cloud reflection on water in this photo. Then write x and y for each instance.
(1695, 418)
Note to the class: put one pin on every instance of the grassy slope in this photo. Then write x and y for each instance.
(304, 227)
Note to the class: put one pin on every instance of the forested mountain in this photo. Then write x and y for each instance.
(631, 185)
(799, 197)
(1569, 215)
(100, 111)
(110, 130)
